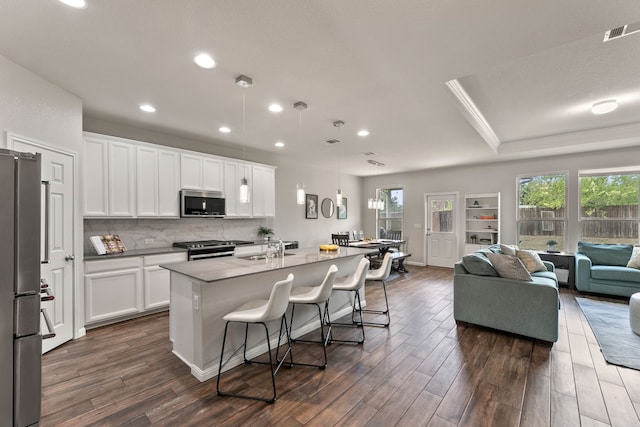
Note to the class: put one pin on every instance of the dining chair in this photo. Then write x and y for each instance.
(315, 295)
(340, 239)
(260, 312)
(353, 283)
(380, 275)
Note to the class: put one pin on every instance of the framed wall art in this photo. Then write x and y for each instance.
(311, 206)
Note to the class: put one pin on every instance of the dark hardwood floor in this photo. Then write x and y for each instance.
(423, 370)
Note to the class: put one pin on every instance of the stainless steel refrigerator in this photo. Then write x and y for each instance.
(20, 337)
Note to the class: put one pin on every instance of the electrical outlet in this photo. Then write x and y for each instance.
(148, 241)
(417, 225)
(196, 302)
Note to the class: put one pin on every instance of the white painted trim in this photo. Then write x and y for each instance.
(473, 114)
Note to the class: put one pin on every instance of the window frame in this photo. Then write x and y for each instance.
(544, 221)
(387, 219)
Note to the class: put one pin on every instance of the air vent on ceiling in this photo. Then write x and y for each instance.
(368, 153)
(622, 31)
(332, 141)
(375, 163)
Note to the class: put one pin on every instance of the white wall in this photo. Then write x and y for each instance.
(36, 109)
(488, 178)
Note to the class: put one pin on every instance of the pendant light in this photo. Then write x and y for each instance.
(300, 194)
(375, 202)
(339, 124)
(244, 195)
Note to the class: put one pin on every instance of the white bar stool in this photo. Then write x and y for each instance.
(315, 295)
(352, 283)
(260, 312)
(380, 275)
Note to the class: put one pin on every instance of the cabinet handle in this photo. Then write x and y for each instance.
(47, 194)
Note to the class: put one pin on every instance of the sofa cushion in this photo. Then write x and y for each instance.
(620, 274)
(606, 254)
(546, 274)
(531, 260)
(509, 267)
(477, 263)
(634, 261)
(508, 249)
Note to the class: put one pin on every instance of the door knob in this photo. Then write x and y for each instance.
(69, 258)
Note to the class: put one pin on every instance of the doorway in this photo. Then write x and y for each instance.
(58, 168)
(441, 235)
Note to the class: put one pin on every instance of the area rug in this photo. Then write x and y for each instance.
(610, 324)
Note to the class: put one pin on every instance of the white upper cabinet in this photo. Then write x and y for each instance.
(96, 193)
(199, 172)
(168, 184)
(125, 178)
(109, 178)
(234, 171)
(264, 193)
(157, 182)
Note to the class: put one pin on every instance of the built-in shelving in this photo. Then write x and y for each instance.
(482, 220)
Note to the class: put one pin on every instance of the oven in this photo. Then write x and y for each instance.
(206, 249)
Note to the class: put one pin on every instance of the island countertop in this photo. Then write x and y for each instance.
(215, 269)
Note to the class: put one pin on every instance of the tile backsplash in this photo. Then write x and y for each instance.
(158, 233)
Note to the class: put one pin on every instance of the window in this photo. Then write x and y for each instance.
(542, 217)
(609, 206)
(390, 218)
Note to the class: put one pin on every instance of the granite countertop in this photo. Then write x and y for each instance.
(212, 270)
(133, 253)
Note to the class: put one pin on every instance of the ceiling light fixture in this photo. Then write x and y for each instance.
(375, 203)
(78, 4)
(148, 108)
(279, 144)
(300, 194)
(224, 129)
(275, 108)
(604, 107)
(339, 124)
(244, 82)
(363, 132)
(204, 60)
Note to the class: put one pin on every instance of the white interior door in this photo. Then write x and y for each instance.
(58, 170)
(441, 235)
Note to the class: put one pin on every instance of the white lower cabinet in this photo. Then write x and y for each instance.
(113, 288)
(125, 287)
(157, 279)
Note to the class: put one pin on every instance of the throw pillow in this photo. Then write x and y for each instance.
(508, 249)
(606, 254)
(531, 260)
(634, 262)
(509, 267)
(478, 264)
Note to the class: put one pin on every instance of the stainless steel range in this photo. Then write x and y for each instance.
(203, 249)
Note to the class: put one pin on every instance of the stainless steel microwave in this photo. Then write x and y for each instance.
(199, 204)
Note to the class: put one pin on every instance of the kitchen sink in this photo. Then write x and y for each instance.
(259, 257)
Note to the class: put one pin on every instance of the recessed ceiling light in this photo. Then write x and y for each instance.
(275, 108)
(148, 108)
(224, 129)
(604, 107)
(363, 132)
(204, 60)
(279, 144)
(78, 4)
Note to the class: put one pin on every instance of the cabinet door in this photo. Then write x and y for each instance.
(168, 184)
(111, 294)
(96, 193)
(264, 194)
(156, 287)
(191, 171)
(234, 171)
(121, 179)
(212, 174)
(147, 181)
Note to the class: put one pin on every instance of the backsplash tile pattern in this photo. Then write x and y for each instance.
(136, 232)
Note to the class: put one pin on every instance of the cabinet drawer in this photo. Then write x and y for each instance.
(164, 258)
(112, 264)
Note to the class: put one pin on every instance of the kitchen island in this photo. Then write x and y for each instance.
(202, 292)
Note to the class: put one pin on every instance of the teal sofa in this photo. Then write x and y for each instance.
(602, 269)
(517, 306)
